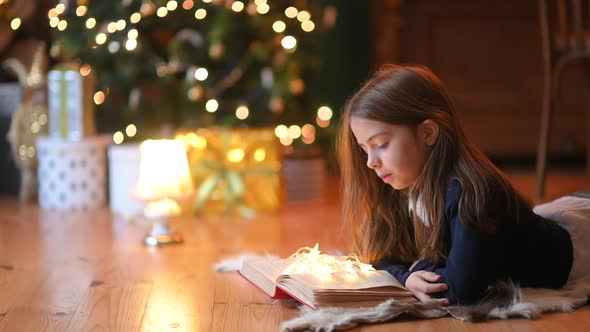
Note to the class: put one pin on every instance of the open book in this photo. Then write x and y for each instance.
(340, 289)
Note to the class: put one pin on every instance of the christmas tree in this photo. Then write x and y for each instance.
(199, 63)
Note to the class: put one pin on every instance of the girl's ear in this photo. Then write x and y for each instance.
(429, 132)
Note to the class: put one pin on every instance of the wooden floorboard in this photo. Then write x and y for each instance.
(84, 271)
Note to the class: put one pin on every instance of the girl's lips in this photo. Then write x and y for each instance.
(386, 177)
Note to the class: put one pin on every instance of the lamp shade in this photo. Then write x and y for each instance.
(163, 171)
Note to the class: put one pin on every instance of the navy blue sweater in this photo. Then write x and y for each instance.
(535, 252)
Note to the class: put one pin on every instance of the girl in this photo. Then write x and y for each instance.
(430, 208)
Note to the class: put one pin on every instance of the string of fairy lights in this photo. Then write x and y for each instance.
(285, 133)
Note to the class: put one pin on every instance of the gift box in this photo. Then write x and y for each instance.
(70, 99)
(123, 175)
(72, 175)
(235, 171)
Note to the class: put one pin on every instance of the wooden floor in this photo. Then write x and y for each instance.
(89, 271)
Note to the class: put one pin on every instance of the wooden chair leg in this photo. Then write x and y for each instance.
(548, 104)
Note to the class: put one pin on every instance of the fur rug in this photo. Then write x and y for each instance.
(505, 300)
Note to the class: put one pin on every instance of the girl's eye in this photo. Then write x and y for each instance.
(383, 146)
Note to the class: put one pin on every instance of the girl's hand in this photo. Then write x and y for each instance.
(422, 283)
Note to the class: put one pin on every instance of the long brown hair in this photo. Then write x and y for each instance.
(379, 215)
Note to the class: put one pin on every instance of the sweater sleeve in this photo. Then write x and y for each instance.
(473, 261)
(398, 270)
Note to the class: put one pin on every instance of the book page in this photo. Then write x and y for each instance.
(344, 280)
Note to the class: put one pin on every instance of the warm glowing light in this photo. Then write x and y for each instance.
(279, 26)
(118, 137)
(242, 112)
(294, 131)
(259, 155)
(51, 14)
(237, 6)
(121, 24)
(131, 44)
(132, 34)
(303, 16)
(188, 4)
(307, 26)
(172, 5)
(101, 38)
(308, 140)
(162, 12)
(135, 18)
(212, 105)
(308, 130)
(281, 131)
(62, 25)
(53, 22)
(43, 119)
(15, 23)
(112, 27)
(263, 8)
(235, 155)
(90, 23)
(289, 42)
(286, 141)
(325, 113)
(200, 14)
(195, 93)
(35, 127)
(311, 259)
(81, 10)
(322, 123)
(131, 130)
(99, 97)
(31, 151)
(291, 12)
(59, 9)
(259, 2)
(206, 1)
(85, 70)
(201, 74)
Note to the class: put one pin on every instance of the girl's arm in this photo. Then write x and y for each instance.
(399, 270)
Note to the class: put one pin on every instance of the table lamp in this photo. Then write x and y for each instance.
(164, 178)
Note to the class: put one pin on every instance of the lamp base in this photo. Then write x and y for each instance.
(162, 239)
(161, 235)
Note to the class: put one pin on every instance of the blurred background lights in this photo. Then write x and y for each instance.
(131, 44)
(259, 155)
(118, 137)
(281, 131)
(289, 42)
(242, 112)
(81, 10)
(303, 16)
(101, 38)
(15, 23)
(90, 23)
(131, 130)
(291, 12)
(132, 34)
(200, 14)
(172, 5)
(237, 6)
(99, 97)
(294, 131)
(325, 113)
(235, 155)
(279, 26)
(212, 105)
(307, 26)
(201, 74)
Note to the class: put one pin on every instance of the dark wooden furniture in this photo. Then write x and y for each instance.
(489, 54)
(565, 33)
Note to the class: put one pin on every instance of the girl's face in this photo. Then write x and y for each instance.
(395, 152)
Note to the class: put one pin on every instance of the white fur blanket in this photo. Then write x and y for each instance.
(505, 300)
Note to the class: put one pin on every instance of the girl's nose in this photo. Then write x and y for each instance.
(372, 161)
